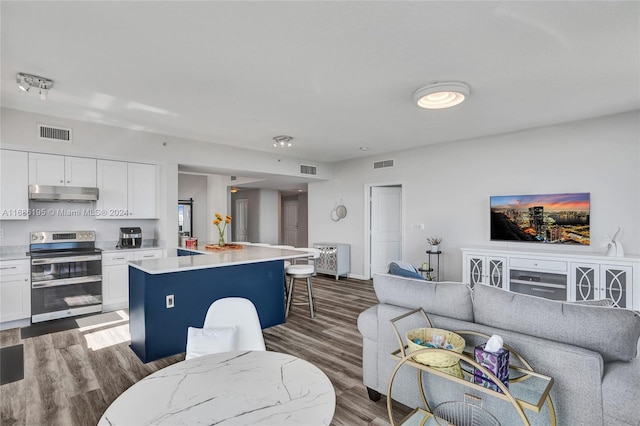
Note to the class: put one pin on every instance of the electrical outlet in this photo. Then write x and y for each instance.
(170, 301)
(420, 226)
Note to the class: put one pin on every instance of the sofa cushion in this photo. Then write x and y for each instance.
(404, 269)
(617, 393)
(599, 302)
(613, 332)
(448, 299)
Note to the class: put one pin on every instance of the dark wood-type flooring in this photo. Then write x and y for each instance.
(71, 377)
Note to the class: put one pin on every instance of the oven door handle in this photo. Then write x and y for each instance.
(51, 260)
(67, 281)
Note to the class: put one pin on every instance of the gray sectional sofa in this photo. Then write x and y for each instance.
(590, 351)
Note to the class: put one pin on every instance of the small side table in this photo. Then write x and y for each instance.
(427, 273)
(436, 276)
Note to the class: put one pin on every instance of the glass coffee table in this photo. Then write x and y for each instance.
(527, 389)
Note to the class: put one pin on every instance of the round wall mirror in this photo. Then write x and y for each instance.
(338, 213)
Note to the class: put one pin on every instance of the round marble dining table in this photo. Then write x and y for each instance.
(230, 388)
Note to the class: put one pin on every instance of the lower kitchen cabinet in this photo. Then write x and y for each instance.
(115, 276)
(15, 291)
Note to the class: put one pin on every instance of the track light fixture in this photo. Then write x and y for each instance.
(282, 141)
(27, 81)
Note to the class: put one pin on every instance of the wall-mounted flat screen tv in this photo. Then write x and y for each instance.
(545, 218)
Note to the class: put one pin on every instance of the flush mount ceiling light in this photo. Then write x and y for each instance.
(27, 81)
(282, 141)
(441, 95)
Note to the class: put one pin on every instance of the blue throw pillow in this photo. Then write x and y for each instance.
(395, 269)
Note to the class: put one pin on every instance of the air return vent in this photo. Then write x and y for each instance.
(306, 169)
(54, 134)
(382, 164)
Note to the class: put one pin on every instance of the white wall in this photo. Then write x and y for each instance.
(16, 232)
(269, 217)
(217, 196)
(19, 131)
(447, 187)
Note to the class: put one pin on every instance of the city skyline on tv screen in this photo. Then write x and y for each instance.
(544, 218)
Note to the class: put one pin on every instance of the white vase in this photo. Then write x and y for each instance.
(435, 249)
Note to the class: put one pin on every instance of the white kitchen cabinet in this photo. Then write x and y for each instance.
(115, 280)
(148, 254)
(127, 190)
(115, 275)
(142, 190)
(48, 169)
(561, 275)
(14, 184)
(483, 269)
(15, 290)
(591, 281)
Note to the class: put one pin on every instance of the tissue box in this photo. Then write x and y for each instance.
(497, 363)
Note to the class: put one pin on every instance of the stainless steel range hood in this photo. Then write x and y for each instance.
(62, 193)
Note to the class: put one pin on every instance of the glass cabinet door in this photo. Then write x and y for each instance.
(615, 284)
(476, 270)
(497, 272)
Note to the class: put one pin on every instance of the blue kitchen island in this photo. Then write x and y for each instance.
(191, 284)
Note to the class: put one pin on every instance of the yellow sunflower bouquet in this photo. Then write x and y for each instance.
(221, 223)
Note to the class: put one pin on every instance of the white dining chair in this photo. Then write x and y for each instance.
(231, 324)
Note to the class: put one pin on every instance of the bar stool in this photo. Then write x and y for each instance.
(303, 271)
(286, 265)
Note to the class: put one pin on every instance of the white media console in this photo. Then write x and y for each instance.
(559, 275)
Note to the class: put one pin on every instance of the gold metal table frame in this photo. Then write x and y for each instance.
(525, 373)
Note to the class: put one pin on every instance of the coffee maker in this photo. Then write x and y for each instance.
(130, 237)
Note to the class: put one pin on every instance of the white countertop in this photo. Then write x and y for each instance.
(213, 259)
(144, 247)
(235, 388)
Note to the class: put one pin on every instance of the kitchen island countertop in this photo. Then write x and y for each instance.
(213, 259)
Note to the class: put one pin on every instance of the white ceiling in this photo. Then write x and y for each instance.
(335, 75)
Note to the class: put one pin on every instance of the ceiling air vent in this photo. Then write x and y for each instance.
(306, 169)
(54, 134)
(382, 164)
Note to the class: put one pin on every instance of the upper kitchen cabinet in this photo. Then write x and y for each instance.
(142, 190)
(127, 190)
(14, 182)
(47, 169)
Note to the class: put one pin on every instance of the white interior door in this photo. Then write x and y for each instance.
(290, 223)
(386, 226)
(240, 220)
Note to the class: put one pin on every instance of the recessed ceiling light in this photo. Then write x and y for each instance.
(364, 148)
(441, 95)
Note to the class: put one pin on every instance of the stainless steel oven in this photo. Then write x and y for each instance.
(66, 275)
